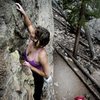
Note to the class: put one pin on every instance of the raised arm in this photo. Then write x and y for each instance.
(26, 19)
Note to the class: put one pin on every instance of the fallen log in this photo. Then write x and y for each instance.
(86, 58)
(63, 24)
(59, 9)
(56, 11)
(84, 44)
(81, 68)
(62, 14)
(80, 77)
(92, 51)
(91, 61)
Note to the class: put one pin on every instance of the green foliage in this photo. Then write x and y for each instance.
(72, 7)
(92, 9)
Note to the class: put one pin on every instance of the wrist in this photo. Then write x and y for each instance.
(24, 13)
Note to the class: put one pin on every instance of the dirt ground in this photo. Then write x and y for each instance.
(66, 84)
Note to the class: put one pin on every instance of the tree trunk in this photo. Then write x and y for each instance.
(76, 45)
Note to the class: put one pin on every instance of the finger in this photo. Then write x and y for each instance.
(23, 63)
(17, 8)
(18, 5)
(26, 63)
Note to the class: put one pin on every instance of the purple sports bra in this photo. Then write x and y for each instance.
(33, 62)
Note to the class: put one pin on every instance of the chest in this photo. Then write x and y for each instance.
(32, 54)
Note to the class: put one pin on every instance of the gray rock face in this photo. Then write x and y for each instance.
(45, 19)
(16, 81)
(94, 29)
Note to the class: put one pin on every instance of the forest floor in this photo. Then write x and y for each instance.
(61, 75)
(67, 85)
(67, 40)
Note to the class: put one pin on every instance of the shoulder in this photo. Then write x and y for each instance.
(43, 58)
(42, 53)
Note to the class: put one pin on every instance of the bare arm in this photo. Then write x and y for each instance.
(26, 19)
(44, 61)
(40, 72)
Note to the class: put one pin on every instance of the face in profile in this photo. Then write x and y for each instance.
(41, 37)
(35, 41)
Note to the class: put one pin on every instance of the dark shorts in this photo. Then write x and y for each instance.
(38, 81)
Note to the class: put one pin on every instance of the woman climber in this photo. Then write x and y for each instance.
(35, 55)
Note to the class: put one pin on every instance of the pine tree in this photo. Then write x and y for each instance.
(72, 8)
(78, 12)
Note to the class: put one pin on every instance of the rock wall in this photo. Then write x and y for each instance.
(93, 28)
(45, 19)
(16, 82)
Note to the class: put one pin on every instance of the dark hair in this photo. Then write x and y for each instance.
(43, 35)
